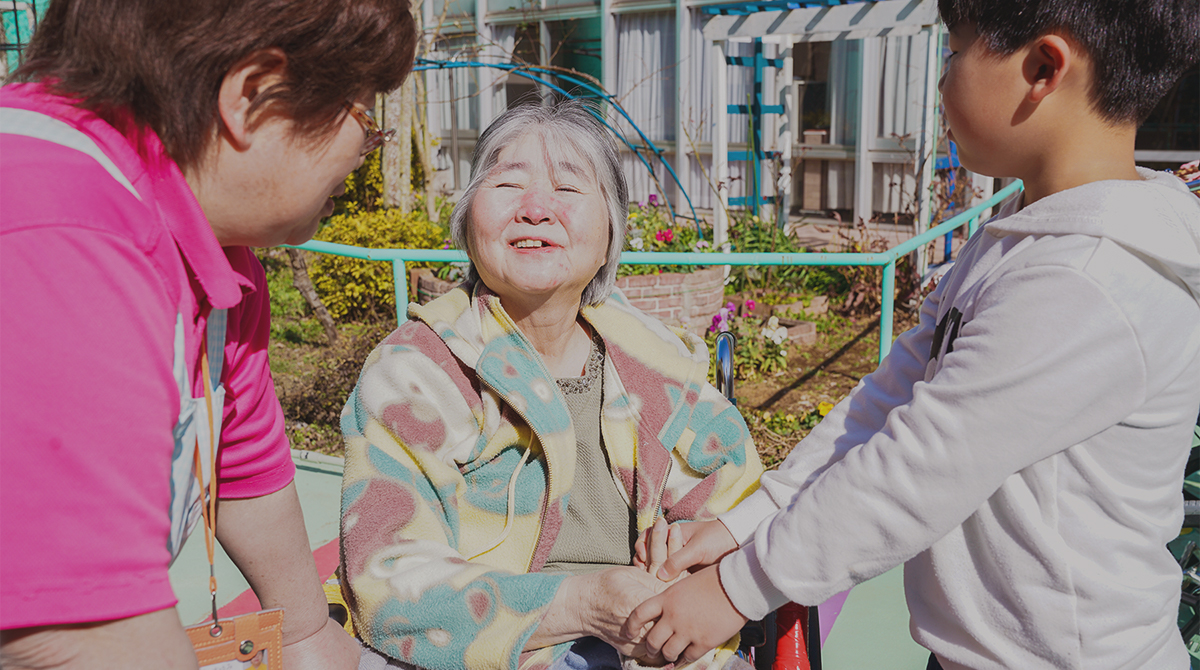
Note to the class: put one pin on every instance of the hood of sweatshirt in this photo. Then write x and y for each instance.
(1164, 227)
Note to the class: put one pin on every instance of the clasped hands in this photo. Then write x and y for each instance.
(691, 615)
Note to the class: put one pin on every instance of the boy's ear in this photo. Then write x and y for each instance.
(1048, 61)
(245, 81)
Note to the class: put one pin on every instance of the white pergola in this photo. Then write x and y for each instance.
(869, 21)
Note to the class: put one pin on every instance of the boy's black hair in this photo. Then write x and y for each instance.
(1139, 48)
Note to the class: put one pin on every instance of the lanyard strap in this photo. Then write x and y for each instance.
(208, 508)
(214, 349)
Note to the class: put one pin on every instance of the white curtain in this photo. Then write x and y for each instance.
(504, 39)
(902, 87)
(698, 114)
(645, 87)
(697, 89)
(646, 72)
(845, 80)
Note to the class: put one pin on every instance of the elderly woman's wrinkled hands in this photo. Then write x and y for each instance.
(597, 605)
(607, 598)
(669, 551)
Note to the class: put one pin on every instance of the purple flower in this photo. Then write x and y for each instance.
(750, 305)
(720, 320)
(653, 200)
(717, 323)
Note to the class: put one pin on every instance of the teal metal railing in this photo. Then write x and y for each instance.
(888, 259)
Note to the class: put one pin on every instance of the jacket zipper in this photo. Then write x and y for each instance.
(662, 489)
(549, 472)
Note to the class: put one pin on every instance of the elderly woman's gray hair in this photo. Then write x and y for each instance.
(568, 123)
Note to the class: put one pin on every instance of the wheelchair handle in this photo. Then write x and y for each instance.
(725, 344)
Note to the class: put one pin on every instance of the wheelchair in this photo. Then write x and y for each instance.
(1184, 548)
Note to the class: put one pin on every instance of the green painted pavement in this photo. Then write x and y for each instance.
(871, 633)
(319, 483)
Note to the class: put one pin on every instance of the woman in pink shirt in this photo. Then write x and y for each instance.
(146, 146)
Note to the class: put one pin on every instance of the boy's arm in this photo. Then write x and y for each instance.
(852, 422)
(1031, 374)
(679, 635)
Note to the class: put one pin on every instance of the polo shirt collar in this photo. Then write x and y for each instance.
(181, 213)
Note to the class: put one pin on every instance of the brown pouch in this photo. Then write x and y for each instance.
(253, 640)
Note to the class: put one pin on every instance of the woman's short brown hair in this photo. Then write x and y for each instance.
(164, 61)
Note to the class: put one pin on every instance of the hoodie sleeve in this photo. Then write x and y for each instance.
(852, 422)
(413, 595)
(1030, 375)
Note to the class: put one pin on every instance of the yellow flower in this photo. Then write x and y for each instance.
(824, 408)
(766, 416)
(790, 417)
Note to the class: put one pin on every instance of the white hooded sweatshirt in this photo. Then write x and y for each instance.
(1021, 451)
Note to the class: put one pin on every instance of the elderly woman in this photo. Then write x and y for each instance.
(508, 443)
(146, 146)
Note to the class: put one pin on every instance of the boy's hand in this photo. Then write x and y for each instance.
(703, 544)
(656, 545)
(693, 616)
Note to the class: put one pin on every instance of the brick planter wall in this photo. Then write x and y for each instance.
(676, 299)
(688, 300)
(430, 287)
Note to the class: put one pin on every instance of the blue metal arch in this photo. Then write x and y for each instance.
(532, 73)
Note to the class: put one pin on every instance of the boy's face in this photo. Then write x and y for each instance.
(983, 96)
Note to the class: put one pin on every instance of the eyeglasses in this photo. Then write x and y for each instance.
(373, 135)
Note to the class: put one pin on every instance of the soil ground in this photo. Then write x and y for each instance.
(846, 350)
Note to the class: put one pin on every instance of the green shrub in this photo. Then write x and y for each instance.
(751, 234)
(364, 187)
(358, 289)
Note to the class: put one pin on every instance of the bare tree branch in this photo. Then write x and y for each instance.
(304, 285)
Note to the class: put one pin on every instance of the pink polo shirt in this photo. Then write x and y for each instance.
(92, 282)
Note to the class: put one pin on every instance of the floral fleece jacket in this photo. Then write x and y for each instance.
(441, 554)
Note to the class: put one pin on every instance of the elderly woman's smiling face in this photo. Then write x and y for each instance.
(539, 223)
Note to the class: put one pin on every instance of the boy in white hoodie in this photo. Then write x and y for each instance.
(1021, 450)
